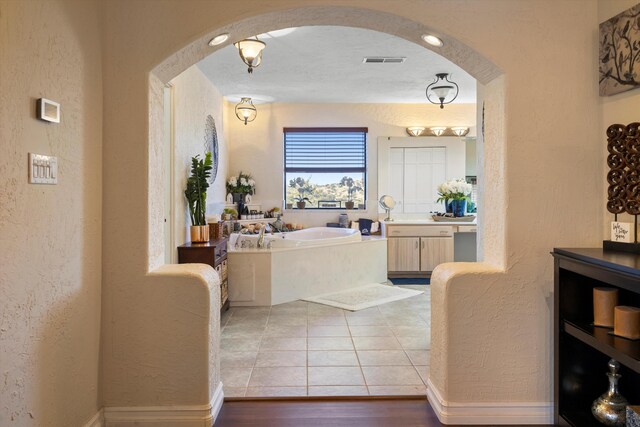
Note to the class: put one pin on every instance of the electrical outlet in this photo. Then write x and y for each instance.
(43, 169)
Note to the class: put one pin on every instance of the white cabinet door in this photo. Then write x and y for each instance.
(424, 169)
(403, 254)
(434, 251)
(396, 177)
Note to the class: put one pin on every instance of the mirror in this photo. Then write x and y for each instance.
(387, 202)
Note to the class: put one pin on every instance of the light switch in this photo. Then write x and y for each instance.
(43, 169)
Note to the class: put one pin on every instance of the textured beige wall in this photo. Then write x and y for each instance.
(540, 151)
(195, 98)
(50, 236)
(257, 148)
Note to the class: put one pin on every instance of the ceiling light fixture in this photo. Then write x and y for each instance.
(251, 52)
(432, 40)
(219, 39)
(460, 130)
(246, 111)
(416, 130)
(438, 130)
(441, 88)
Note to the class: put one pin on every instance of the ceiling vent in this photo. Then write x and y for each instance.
(384, 59)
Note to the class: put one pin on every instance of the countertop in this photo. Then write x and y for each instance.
(428, 222)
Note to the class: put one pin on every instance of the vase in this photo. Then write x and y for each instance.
(199, 233)
(459, 207)
(610, 408)
(448, 206)
(349, 205)
(237, 197)
(301, 205)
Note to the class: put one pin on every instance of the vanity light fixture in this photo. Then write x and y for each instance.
(416, 130)
(219, 39)
(441, 88)
(460, 130)
(251, 52)
(438, 130)
(432, 40)
(246, 111)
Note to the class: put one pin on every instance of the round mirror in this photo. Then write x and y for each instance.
(387, 202)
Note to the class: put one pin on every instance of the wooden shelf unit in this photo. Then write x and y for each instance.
(582, 350)
(213, 253)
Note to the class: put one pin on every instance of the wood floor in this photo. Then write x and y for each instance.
(366, 412)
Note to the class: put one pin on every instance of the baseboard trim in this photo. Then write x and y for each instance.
(178, 415)
(96, 421)
(488, 413)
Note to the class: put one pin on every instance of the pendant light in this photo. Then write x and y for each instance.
(441, 89)
(246, 111)
(251, 52)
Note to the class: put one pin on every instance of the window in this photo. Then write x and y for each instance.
(327, 166)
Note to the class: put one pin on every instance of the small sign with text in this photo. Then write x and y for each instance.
(621, 232)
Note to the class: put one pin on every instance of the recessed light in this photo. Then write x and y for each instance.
(219, 39)
(432, 40)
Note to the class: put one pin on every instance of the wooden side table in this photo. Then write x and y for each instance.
(213, 253)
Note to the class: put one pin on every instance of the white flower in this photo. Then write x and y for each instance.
(243, 181)
(252, 182)
(233, 181)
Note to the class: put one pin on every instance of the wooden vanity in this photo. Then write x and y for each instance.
(416, 247)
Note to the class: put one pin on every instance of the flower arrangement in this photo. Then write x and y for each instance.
(455, 189)
(243, 183)
(352, 188)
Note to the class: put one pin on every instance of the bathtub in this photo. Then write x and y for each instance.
(302, 264)
(317, 236)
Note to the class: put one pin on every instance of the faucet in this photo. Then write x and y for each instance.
(261, 237)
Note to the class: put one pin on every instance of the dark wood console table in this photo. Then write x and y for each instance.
(582, 350)
(213, 253)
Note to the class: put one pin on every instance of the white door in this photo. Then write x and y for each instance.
(396, 177)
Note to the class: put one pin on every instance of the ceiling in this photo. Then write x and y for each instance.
(324, 64)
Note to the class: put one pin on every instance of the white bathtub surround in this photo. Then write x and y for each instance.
(364, 297)
(303, 264)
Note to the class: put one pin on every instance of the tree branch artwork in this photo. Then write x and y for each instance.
(620, 52)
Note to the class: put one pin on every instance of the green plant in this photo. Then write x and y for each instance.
(231, 211)
(303, 187)
(196, 191)
(351, 186)
(455, 189)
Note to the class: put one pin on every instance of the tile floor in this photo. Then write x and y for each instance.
(308, 349)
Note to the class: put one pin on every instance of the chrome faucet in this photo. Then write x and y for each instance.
(261, 237)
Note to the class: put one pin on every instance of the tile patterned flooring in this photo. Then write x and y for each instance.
(308, 349)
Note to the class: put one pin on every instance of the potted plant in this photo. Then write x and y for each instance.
(228, 214)
(351, 190)
(196, 195)
(303, 187)
(240, 185)
(455, 194)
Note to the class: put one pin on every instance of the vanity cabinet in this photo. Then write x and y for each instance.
(434, 251)
(417, 249)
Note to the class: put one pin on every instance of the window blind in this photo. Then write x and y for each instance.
(325, 149)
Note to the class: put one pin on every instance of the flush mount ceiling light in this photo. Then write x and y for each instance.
(246, 111)
(442, 89)
(416, 130)
(432, 40)
(438, 131)
(460, 130)
(251, 52)
(219, 39)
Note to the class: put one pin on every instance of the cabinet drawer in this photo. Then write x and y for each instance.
(419, 231)
(467, 228)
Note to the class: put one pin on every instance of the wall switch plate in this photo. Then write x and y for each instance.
(43, 169)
